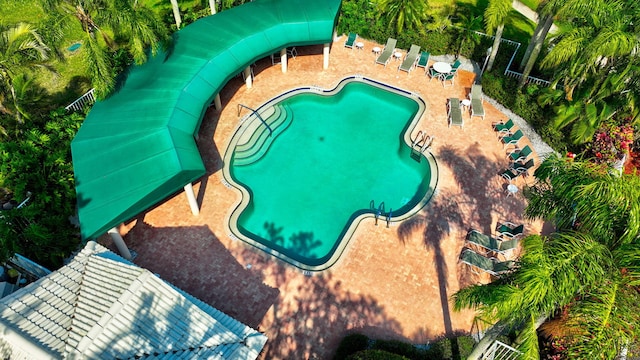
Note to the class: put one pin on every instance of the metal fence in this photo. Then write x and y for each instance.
(85, 100)
(501, 351)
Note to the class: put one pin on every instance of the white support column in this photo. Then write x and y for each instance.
(283, 59)
(325, 53)
(217, 103)
(191, 197)
(119, 242)
(248, 80)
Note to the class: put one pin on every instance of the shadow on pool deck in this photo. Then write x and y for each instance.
(391, 283)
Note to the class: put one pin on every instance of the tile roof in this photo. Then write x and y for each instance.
(102, 306)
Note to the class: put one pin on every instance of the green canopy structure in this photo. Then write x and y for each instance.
(137, 147)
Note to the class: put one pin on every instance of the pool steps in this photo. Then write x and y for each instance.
(259, 141)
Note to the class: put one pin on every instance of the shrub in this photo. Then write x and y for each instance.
(400, 348)
(351, 344)
(375, 355)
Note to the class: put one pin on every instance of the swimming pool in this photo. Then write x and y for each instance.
(312, 163)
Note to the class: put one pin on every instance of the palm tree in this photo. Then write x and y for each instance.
(590, 268)
(470, 24)
(404, 14)
(494, 17)
(547, 11)
(21, 49)
(136, 27)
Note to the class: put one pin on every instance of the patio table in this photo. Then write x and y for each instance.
(442, 67)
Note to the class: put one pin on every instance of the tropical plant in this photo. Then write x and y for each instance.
(611, 142)
(404, 15)
(470, 25)
(126, 23)
(494, 18)
(21, 49)
(39, 164)
(590, 268)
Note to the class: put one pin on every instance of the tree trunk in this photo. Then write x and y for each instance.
(536, 51)
(176, 12)
(212, 5)
(495, 47)
(532, 42)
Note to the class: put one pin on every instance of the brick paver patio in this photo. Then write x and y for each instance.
(390, 283)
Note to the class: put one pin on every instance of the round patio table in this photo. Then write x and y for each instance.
(442, 67)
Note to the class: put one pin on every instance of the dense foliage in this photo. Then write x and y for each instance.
(39, 163)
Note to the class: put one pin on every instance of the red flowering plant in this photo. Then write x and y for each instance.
(611, 142)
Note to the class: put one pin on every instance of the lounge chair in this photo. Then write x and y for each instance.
(510, 174)
(351, 40)
(503, 127)
(510, 139)
(448, 77)
(519, 155)
(476, 101)
(410, 60)
(387, 52)
(509, 230)
(423, 61)
(523, 168)
(492, 245)
(455, 115)
(488, 265)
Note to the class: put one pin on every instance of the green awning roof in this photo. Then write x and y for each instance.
(137, 147)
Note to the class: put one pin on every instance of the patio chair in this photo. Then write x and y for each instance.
(519, 155)
(351, 40)
(448, 77)
(476, 101)
(489, 265)
(509, 230)
(454, 113)
(490, 244)
(433, 73)
(410, 60)
(386, 53)
(511, 139)
(455, 66)
(503, 127)
(423, 61)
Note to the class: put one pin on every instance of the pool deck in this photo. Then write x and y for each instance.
(390, 283)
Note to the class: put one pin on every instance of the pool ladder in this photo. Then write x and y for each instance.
(422, 142)
(380, 211)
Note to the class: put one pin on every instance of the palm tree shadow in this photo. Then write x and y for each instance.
(439, 219)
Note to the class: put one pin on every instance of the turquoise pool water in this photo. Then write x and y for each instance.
(330, 159)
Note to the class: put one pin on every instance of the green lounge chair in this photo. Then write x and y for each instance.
(509, 230)
(410, 60)
(510, 174)
(503, 127)
(511, 139)
(523, 168)
(351, 40)
(455, 115)
(476, 101)
(492, 245)
(488, 265)
(448, 77)
(386, 53)
(519, 155)
(423, 61)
